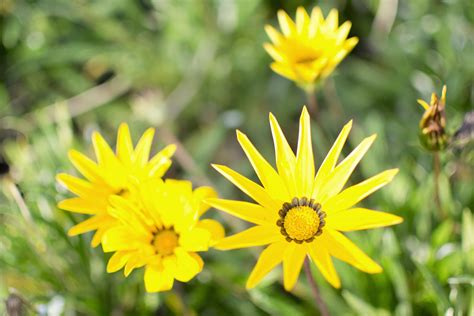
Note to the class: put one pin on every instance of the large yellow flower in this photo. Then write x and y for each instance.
(162, 232)
(300, 213)
(110, 176)
(309, 49)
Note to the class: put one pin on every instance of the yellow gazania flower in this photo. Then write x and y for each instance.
(300, 213)
(163, 233)
(109, 176)
(309, 49)
(433, 123)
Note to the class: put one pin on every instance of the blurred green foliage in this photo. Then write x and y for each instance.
(196, 70)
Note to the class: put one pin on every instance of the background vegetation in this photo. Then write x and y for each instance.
(196, 71)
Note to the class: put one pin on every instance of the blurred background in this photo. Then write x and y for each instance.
(196, 71)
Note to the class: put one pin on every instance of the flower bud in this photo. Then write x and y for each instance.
(433, 123)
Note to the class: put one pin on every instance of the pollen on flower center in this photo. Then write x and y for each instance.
(302, 220)
(165, 242)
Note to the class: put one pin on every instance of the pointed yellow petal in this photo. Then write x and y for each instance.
(186, 266)
(157, 280)
(117, 261)
(249, 212)
(196, 239)
(86, 166)
(89, 224)
(292, 263)
(361, 218)
(285, 71)
(356, 193)
(247, 186)
(331, 159)
(343, 31)
(142, 151)
(320, 256)
(79, 205)
(338, 178)
(105, 155)
(214, 228)
(254, 236)
(342, 248)
(268, 259)
(201, 194)
(122, 238)
(302, 20)
(265, 172)
(425, 105)
(274, 52)
(286, 23)
(160, 163)
(81, 187)
(275, 36)
(332, 20)
(316, 20)
(284, 156)
(304, 158)
(124, 145)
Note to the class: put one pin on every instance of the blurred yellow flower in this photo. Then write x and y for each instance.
(300, 212)
(110, 176)
(162, 232)
(433, 123)
(310, 48)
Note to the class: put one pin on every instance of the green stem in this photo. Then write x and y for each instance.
(437, 171)
(317, 296)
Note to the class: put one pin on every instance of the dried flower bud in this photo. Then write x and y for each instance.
(433, 123)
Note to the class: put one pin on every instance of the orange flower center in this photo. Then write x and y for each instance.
(302, 220)
(165, 242)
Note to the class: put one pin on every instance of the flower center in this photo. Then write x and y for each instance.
(301, 220)
(165, 242)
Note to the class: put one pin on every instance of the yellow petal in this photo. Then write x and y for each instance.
(186, 266)
(284, 156)
(286, 23)
(332, 20)
(89, 224)
(275, 36)
(249, 212)
(304, 157)
(160, 163)
(105, 155)
(343, 32)
(157, 279)
(122, 238)
(425, 105)
(320, 256)
(142, 151)
(265, 172)
(81, 187)
(361, 218)
(268, 259)
(80, 205)
(129, 214)
(316, 20)
(214, 227)
(201, 194)
(197, 239)
(338, 178)
(356, 193)
(276, 54)
(247, 186)
(117, 261)
(292, 263)
(331, 159)
(254, 236)
(302, 20)
(198, 259)
(342, 248)
(124, 144)
(285, 71)
(86, 166)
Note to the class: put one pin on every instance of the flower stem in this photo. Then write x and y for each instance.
(317, 296)
(437, 170)
(313, 104)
